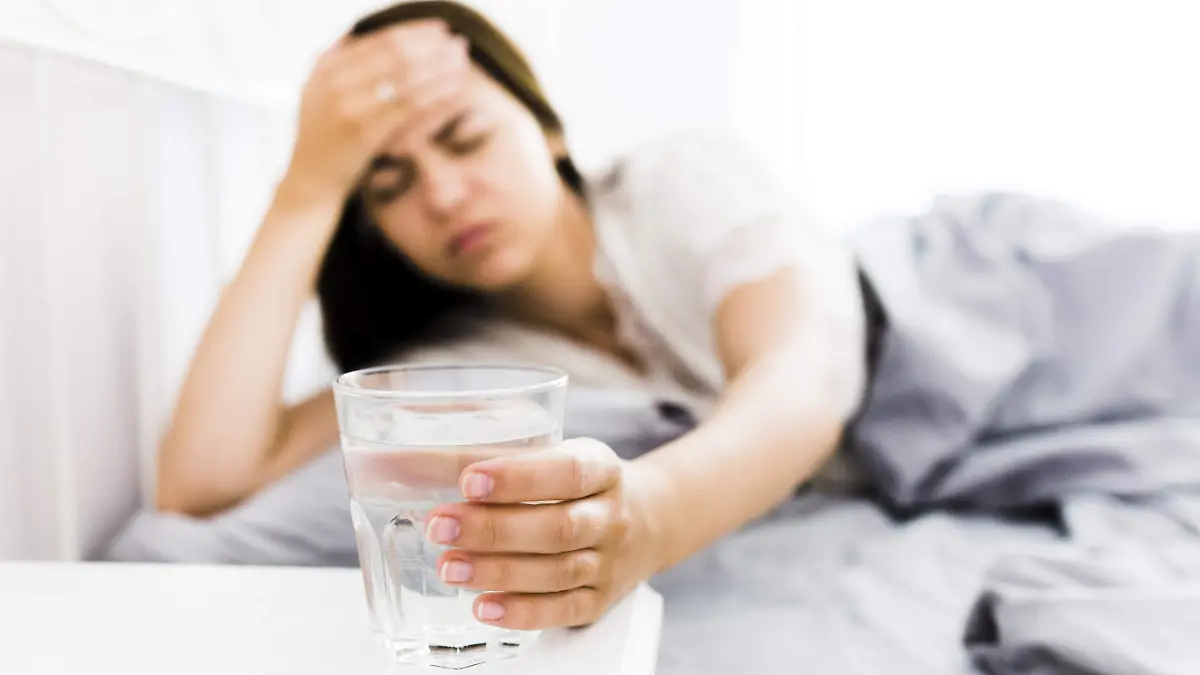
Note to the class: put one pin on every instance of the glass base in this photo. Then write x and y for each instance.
(415, 653)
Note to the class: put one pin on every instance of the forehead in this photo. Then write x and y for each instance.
(479, 98)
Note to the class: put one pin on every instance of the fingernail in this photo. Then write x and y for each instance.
(477, 485)
(490, 611)
(443, 530)
(457, 572)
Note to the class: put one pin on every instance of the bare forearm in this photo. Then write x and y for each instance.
(766, 437)
(307, 430)
(228, 415)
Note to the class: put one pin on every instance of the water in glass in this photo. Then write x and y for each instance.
(401, 461)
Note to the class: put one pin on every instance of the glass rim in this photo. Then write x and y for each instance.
(557, 378)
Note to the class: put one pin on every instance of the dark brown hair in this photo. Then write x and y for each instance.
(374, 302)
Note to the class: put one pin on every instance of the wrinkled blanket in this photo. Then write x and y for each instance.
(1034, 352)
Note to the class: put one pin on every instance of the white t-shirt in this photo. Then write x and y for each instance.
(681, 222)
(684, 220)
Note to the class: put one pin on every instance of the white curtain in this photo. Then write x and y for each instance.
(140, 140)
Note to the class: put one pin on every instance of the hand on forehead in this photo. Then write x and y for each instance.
(436, 124)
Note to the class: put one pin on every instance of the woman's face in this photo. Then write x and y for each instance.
(472, 197)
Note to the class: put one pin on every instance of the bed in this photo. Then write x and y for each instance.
(1029, 458)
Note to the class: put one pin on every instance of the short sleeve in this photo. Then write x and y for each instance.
(711, 216)
(721, 219)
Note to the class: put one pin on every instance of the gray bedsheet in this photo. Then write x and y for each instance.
(1122, 595)
(834, 585)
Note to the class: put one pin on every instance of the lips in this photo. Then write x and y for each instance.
(470, 239)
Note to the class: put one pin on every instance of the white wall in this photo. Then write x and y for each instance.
(1095, 102)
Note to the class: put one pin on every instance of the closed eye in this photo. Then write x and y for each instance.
(462, 134)
(468, 144)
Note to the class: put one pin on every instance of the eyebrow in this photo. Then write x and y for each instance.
(442, 137)
(444, 134)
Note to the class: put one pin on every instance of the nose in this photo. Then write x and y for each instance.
(444, 188)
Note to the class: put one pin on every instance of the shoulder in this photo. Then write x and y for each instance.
(697, 169)
(684, 194)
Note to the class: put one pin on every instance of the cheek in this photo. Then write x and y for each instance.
(404, 228)
(525, 177)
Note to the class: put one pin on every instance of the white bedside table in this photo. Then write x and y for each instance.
(63, 618)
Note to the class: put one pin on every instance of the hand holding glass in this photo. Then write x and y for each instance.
(407, 434)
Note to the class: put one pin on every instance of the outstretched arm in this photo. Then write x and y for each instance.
(778, 421)
(612, 523)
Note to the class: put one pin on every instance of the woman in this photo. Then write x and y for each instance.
(430, 177)
(430, 183)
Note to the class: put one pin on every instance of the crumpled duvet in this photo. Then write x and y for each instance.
(1033, 352)
(1036, 355)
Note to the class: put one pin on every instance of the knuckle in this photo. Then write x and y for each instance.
(594, 519)
(337, 80)
(521, 613)
(564, 575)
(581, 606)
(602, 451)
(345, 112)
(620, 521)
(579, 472)
(581, 568)
(567, 527)
(619, 529)
(402, 48)
(386, 63)
(592, 465)
(490, 533)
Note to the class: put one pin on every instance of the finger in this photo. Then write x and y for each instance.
(402, 55)
(572, 470)
(424, 31)
(382, 119)
(523, 528)
(361, 101)
(521, 573)
(365, 74)
(540, 611)
(414, 51)
(429, 111)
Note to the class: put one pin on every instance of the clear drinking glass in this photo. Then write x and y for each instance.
(407, 433)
